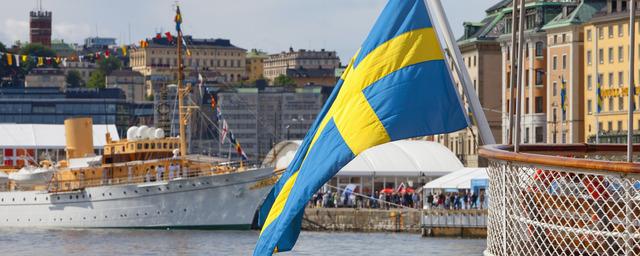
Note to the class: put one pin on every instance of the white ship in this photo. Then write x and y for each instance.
(143, 181)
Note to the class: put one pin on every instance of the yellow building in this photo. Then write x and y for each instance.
(255, 64)
(607, 54)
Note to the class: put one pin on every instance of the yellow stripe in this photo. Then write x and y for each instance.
(358, 124)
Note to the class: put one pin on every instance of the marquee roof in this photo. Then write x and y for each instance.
(47, 135)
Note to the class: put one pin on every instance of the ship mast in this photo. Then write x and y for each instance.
(181, 91)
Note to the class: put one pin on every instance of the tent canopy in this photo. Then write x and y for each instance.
(460, 179)
(398, 158)
(50, 136)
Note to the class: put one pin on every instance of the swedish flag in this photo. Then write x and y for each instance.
(396, 87)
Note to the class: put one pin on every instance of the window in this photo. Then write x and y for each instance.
(564, 61)
(610, 103)
(588, 34)
(589, 57)
(620, 54)
(539, 49)
(526, 105)
(611, 30)
(620, 103)
(589, 83)
(610, 79)
(601, 56)
(526, 135)
(589, 107)
(620, 30)
(564, 38)
(555, 88)
(554, 64)
(555, 39)
(539, 134)
(620, 78)
(539, 104)
(539, 76)
(610, 55)
(609, 126)
(619, 126)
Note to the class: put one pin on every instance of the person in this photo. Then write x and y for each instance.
(160, 171)
(481, 199)
(429, 200)
(382, 199)
(171, 169)
(474, 199)
(415, 198)
(374, 202)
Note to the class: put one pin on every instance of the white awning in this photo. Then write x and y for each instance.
(50, 136)
(460, 179)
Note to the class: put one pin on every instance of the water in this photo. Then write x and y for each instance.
(187, 242)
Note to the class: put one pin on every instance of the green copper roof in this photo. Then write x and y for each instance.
(581, 14)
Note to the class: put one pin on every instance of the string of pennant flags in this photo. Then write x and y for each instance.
(13, 59)
(224, 132)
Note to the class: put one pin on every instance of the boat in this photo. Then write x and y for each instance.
(146, 180)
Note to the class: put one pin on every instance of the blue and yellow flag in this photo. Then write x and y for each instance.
(396, 87)
(599, 98)
(563, 95)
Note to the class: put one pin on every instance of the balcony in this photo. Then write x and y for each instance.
(563, 200)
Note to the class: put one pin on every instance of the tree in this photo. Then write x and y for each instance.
(108, 65)
(96, 80)
(283, 80)
(74, 79)
(36, 50)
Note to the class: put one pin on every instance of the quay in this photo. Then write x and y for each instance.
(428, 222)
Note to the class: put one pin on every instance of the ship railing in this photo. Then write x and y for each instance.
(563, 200)
(73, 184)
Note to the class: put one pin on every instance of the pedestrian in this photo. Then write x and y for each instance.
(474, 199)
(481, 200)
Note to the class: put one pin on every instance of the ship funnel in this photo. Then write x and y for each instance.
(79, 137)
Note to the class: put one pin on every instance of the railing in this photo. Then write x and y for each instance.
(563, 200)
(455, 219)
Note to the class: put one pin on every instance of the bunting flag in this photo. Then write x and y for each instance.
(169, 36)
(224, 131)
(241, 152)
(213, 103)
(40, 61)
(178, 19)
(124, 51)
(9, 59)
(17, 60)
(158, 36)
(107, 53)
(563, 95)
(397, 86)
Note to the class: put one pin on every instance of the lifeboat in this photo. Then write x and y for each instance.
(31, 175)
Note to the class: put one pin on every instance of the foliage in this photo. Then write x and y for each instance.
(97, 79)
(74, 79)
(108, 65)
(283, 80)
(35, 49)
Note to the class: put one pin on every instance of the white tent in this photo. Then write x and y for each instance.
(404, 158)
(460, 179)
(398, 158)
(49, 136)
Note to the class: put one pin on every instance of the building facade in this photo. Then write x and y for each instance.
(481, 54)
(607, 62)
(45, 77)
(565, 72)
(40, 27)
(306, 66)
(259, 119)
(160, 59)
(255, 64)
(130, 82)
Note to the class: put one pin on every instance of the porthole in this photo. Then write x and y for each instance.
(109, 193)
(137, 214)
(46, 198)
(35, 199)
(77, 197)
(13, 199)
(159, 189)
(94, 217)
(103, 194)
(58, 197)
(135, 191)
(84, 218)
(147, 190)
(158, 212)
(167, 188)
(70, 197)
(105, 216)
(185, 210)
(179, 186)
(145, 214)
(171, 211)
(193, 184)
(124, 192)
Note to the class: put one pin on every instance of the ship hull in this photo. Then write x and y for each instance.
(227, 201)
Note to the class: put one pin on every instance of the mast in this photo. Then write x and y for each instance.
(181, 91)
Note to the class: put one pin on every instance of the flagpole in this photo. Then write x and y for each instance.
(437, 13)
(596, 62)
(519, 82)
(512, 78)
(632, 45)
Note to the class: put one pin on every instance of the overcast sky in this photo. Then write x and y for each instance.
(270, 25)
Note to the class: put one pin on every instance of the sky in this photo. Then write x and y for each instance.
(269, 25)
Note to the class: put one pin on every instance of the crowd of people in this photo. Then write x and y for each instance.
(456, 201)
(400, 199)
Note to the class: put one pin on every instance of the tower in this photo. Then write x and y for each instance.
(40, 26)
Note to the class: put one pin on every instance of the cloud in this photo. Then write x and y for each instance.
(12, 30)
(70, 32)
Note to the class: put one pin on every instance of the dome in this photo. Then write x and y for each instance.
(398, 158)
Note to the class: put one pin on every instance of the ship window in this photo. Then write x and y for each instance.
(146, 146)
(153, 146)
(164, 145)
(139, 145)
(159, 145)
(175, 145)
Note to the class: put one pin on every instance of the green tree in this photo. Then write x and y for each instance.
(36, 50)
(74, 79)
(96, 80)
(108, 65)
(283, 80)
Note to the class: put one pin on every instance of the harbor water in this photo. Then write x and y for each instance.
(189, 242)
